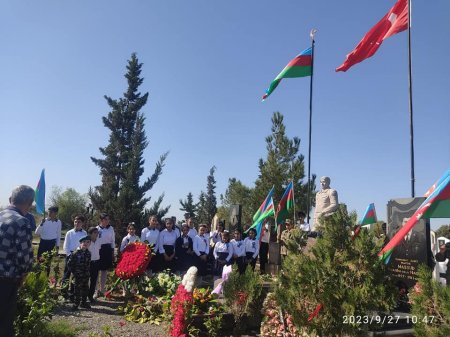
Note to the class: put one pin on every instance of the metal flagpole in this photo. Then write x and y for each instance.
(411, 125)
(311, 34)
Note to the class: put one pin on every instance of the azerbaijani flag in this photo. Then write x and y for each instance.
(436, 205)
(266, 207)
(300, 66)
(370, 216)
(39, 197)
(286, 203)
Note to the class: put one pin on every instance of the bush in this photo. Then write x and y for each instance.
(344, 276)
(243, 296)
(431, 305)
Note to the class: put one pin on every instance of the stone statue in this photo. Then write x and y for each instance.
(326, 201)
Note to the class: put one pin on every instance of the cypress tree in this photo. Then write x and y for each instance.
(282, 164)
(207, 204)
(188, 205)
(121, 194)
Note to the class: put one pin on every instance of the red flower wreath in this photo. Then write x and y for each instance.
(134, 260)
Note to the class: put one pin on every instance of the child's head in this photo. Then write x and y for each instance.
(190, 222)
(237, 234)
(85, 242)
(93, 233)
(153, 221)
(202, 229)
(104, 219)
(220, 227)
(185, 230)
(131, 228)
(225, 236)
(169, 224)
(78, 222)
(252, 233)
(53, 212)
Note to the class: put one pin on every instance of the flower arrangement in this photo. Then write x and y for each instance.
(203, 302)
(182, 303)
(134, 260)
(274, 322)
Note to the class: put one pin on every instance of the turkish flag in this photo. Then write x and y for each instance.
(395, 21)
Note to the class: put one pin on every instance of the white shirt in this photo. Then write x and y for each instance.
(200, 245)
(166, 238)
(106, 236)
(305, 227)
(251, 246)
(50, 230)
(266, 236)
(128, 239)
(215, 237)
(222, 247)
(94, 249)
(192, 233)
(150, 235)
(238, 247)
(72, 240)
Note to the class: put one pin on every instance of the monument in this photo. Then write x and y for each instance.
(326, 201)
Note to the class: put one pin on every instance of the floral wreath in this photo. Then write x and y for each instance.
(134, 260)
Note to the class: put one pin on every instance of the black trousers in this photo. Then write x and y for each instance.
(93, 272)
(8, 306)
(45, 246)
(263, 256)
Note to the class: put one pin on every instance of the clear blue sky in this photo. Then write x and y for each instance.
(206, 66)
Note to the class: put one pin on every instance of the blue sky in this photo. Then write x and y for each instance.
(206, 66)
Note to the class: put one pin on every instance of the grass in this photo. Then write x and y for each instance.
(59, 328)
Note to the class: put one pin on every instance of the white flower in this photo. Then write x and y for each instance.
(189, 279)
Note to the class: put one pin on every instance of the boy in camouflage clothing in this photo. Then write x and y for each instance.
(79, 265)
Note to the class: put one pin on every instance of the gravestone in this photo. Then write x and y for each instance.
(414, 249)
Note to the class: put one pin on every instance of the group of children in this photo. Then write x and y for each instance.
(91, 252)
(178, 249)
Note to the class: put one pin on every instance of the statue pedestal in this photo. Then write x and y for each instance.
(274, 253)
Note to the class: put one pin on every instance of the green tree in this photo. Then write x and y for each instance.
(237, 194)
(345, 276)
(121, 194)
(282, 164)
(207, 204)
(430, 305)
(444, 230)
(69, 202)
(188, 205)
(157, 210)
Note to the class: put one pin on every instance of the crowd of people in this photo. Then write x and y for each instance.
(90, 252)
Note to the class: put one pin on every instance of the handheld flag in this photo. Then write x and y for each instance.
(395, 21)
(286, 203)
(437, 205)
(370, 216)
(39, 197)
(300, 66)
(266, 209)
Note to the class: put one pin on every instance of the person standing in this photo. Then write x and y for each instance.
(50, 232)
(264, 249)
(302, 224)
(184, 250)
(239, 251)
(107, 239)
(285, 237)
(94, 249)
(201, 250)
(71, 243)
(150, 234)
(16, 254)
(80, 264)
(192, 231)
(167, 239)
(130, 237)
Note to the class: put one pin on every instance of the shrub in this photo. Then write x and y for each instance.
(430, 305)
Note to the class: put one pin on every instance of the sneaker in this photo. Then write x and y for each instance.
(98, 294)
(75, 307)
(85, 305)
(92, 300)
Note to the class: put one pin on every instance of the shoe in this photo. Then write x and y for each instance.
(75, 307)
(98, 294)
(92, 300)
(85, 305)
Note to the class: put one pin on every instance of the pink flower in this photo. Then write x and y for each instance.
(122, 323)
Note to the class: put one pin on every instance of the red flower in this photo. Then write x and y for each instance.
(242, 297)
(108, 294)
(122, 323)
(179, 307)
(134, 260)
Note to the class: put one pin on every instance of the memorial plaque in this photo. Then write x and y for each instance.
(414, 249)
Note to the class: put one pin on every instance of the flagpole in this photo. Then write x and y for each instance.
(311, 34)
(411, 125)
